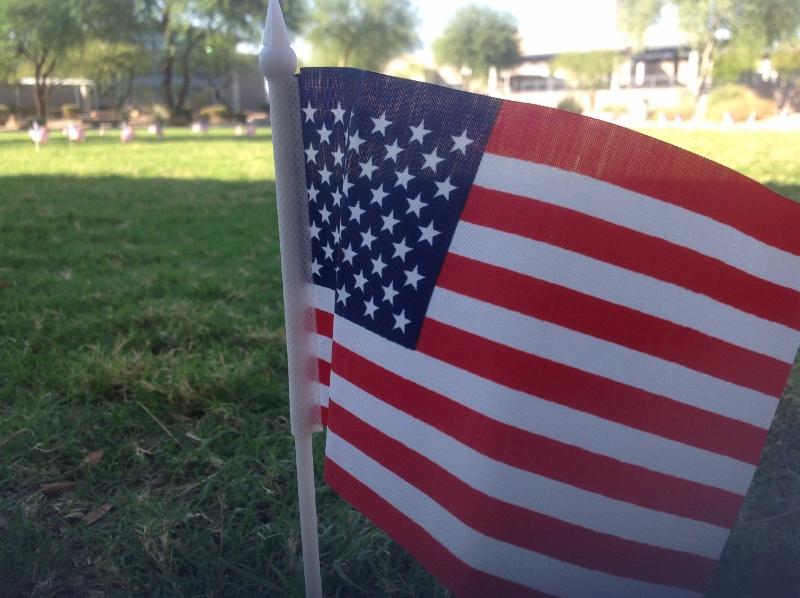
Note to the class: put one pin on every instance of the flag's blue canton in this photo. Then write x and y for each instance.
(389, 166)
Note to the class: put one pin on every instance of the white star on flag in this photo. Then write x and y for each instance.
(427, 233)
(326, 132)
(355, 213)
(348, 254)
(368, 238)
(378, 195)
(315, 267)
(415, 204)
(418, 133)
(309, 112)
(392, 151)
(403, 177)
(355, 140)
(461, 142)
(389, 221)
(401, 249)
(315, 231)
(431, 161)
(413, 277)
(325, 213)
(400, 321)
(444, 188)
(342, 295)
(370, 308)
(378, 265)
(326, 175)
(338, 113)
(361, 280)
(389, 293)
(367, 168)
(380, 124)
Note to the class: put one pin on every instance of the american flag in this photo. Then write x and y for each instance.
(549, 348)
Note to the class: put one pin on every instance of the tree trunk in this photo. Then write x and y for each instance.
(704, 69)
(167, 69)
(39, 99)
(41, 87)
(191, 42)
(169, 60)
(128, 90)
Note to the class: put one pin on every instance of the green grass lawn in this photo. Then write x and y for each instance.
(140, 315)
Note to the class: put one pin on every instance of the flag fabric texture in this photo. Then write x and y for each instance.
(550, 348)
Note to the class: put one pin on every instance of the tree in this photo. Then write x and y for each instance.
(478, 38)
(186, 27)
(41, 35)
(635, 16)
(748, 25)
(786, 62)
(589, 70)
(112, 65)
(362, 33)
(38, 34)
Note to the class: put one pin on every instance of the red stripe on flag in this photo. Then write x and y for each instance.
(590, 393)
(324, 321)
(324, 369)
(603, 151)
(543, 456)
(522, 527)
(634, 251)
(614, 323)
(456, 575)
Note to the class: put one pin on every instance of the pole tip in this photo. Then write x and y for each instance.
(277, 58)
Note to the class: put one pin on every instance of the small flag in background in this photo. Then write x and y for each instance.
(550, 348)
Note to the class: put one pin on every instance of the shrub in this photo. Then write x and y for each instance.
(738, 101)
(160, 113)
(684, 110)
(70, 110)
(615, 110)
(570, 104)
(180, 118)
(5, 112)
(214, 114)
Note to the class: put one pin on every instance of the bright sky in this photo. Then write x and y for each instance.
(545, 25)
(550, 26)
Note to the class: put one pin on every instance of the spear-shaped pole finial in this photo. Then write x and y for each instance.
(277, 58)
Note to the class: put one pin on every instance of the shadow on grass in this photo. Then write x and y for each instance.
(118, 294)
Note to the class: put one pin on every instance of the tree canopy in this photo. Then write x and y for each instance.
(479, 38)
(187, 27)
(589, 70)
(39, 35)
(362, 33)
(747, 28)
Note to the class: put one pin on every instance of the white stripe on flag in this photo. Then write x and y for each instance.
(624, 287)
(529, 490)
(602, 358)
(546, 418)
(479, 551)
(641, 213)
(324, 394)
(324, 298)
(324, 347)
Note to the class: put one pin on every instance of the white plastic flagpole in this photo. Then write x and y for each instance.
(278, 63)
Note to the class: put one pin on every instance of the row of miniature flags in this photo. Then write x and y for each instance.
(76, 133)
